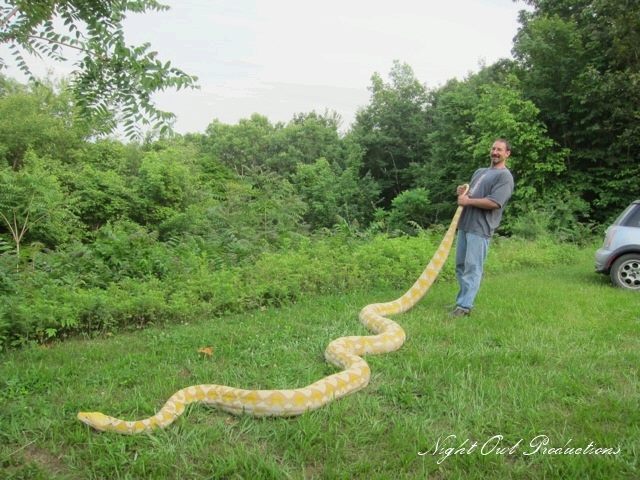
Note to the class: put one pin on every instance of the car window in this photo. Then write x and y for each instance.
(621, 218)
(633, 217)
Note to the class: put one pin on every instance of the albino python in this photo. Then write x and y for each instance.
(344, 352)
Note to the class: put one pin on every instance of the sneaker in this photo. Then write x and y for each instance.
(460, 312)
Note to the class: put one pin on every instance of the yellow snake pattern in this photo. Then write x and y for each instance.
(345, 353)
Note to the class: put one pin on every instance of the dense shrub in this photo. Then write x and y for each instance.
(159, 283)
(410, 207)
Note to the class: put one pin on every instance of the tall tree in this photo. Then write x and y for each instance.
(580, 63)
(36, 118)
(244, 147)
(113, 82)
(305, 139)
(393, 129)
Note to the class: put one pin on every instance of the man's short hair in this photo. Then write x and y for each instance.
(506, 143)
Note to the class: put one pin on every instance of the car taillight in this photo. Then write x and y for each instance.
(608, 239)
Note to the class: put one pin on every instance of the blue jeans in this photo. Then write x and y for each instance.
(471, 252)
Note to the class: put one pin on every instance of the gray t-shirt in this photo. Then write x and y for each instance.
(495, 184)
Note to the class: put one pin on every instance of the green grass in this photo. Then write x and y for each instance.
(550, 350)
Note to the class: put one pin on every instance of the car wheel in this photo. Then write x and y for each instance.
(625, 271)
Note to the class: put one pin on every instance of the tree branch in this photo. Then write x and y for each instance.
(6, 19)
(37, 37)
(6, 220)
(25, 225)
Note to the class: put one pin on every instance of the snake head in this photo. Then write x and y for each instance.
(97, 420)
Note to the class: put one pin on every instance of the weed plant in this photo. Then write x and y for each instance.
(131, 280)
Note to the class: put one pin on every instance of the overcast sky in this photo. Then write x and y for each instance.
(281, 57)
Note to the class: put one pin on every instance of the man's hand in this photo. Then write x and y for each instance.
(463, 199)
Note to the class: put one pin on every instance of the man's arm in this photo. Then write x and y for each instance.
(484, 203)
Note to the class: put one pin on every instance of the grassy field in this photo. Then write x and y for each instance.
(549, 353)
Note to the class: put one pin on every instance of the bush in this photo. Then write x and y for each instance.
(410, 206)
(43, 305)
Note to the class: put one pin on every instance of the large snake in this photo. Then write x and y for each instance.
(344, 352)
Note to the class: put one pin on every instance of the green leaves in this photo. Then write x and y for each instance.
(393, 129)
(113, 83)
(37, 119)
(33, 205)
(580, 64)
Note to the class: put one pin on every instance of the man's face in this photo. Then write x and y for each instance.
(499, 153)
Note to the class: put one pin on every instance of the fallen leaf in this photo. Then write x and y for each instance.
(208, 351)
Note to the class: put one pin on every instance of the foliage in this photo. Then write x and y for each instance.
(411, 207)
(243, 147)
(554, 217)
(33, 206)
(100, 196)
(128, 279)
(36, 118)
(308, 153)
(393, 129)
(332, 193)
(579, 63)
(304, 140)
(165, 184)
(536, 161)
(447, 163)
(260, 212)
(113, 81)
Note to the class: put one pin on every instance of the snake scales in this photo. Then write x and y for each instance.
(344, 352)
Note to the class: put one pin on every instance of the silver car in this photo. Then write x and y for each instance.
(620, 253)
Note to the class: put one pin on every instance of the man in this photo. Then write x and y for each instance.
(489, 191)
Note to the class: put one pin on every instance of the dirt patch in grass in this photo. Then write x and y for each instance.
(47, 461)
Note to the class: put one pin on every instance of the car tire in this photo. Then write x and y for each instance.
(625, 271)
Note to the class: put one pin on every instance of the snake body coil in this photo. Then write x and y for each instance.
(345, 353)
